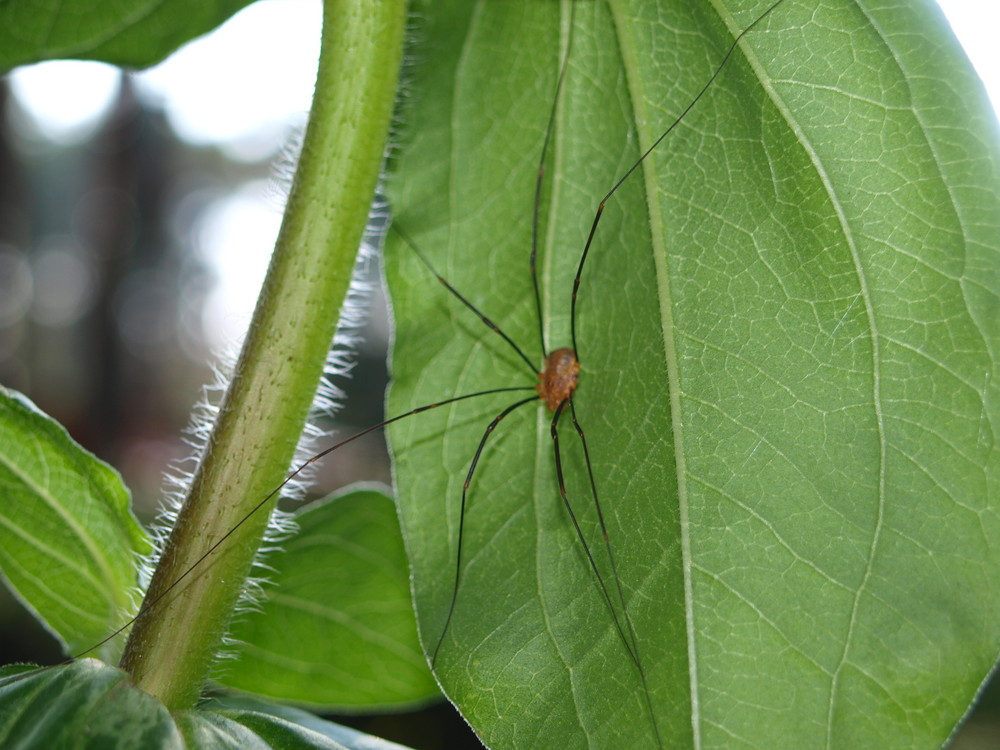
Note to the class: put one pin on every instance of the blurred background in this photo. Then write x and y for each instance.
(137, 216)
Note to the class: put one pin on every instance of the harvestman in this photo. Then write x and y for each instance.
(558, 381)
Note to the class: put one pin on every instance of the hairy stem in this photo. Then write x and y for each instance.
(172, 645)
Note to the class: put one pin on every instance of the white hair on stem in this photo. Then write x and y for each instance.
(327, 400)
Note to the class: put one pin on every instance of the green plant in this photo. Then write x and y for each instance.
(788, 328)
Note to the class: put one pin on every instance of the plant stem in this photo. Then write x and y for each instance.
(174, 640)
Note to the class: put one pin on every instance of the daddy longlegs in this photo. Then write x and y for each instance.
(613, 623)
(487, 530)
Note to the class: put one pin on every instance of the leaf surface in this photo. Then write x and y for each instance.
(788, 327)
(69, 545)
(88, 704)
(133, 34)
(336, 628)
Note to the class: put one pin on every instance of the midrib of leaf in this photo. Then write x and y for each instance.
(631, 62)
(653, 179)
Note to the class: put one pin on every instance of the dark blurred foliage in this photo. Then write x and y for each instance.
(101, 325)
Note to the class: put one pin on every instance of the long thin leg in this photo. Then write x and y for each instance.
(458, 295)
(536, 205)
(647, 152)
(614, 569)
(600, 520)
(461, 517)
(288, 479)
(554, 430)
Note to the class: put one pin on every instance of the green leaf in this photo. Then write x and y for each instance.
(86, 704)
(281, 716)
(81, 704)
(69, 545)
(133, 34)
(788, 326)
(337, 626)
